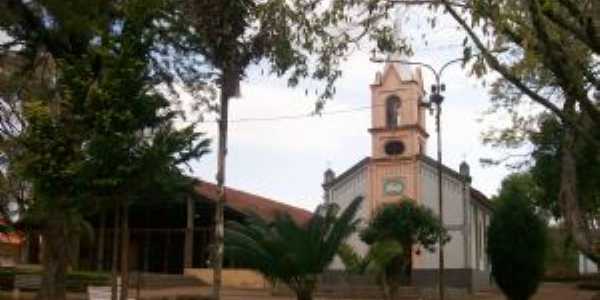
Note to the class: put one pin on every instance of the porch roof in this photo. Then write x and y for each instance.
(248, 203)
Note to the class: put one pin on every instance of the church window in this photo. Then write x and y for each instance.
(392, 104)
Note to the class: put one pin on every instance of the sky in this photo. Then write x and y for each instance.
(285, 159)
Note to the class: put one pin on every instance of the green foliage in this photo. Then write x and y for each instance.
(546, 169)
(93, 115)
(381, 256)
(516, 244)
(88, 97)
(544, 53)
(378, 257)
(292, 253)
(382, 261)
(299, 39)
(352, 261)
(547, 54)
(521, 185)
(135, 147)
(75, 281)
(405, 224)
(562, 257)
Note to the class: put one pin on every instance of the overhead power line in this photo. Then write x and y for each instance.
(299, 116)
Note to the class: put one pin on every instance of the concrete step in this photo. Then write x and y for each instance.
(355, 292)
(403, 293)
(154, 280)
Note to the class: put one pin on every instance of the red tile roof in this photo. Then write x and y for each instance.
(13, 237)
(482, 199)
(245, 202)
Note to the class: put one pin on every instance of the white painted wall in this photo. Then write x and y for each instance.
(472, 243)
(454, 257)
(453, 203)
(462, 216)
(452, 197)
(342, 194)
(479, 220)
(586, 266)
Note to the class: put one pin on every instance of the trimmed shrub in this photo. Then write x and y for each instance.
(516, 246)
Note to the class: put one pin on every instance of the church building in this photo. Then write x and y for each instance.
(399, 167)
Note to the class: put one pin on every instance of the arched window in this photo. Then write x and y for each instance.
(392, 104)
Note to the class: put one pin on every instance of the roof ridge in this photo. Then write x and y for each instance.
(248, 193)
(266, 207)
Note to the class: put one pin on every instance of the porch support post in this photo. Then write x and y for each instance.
(188, 249)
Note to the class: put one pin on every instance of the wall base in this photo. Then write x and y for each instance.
(468, 279)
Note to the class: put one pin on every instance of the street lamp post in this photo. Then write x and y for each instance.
(435, 99)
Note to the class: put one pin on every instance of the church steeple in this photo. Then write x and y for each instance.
(398, 134)
(398, 118)
(398, 131)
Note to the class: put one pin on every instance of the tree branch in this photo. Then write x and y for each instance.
(580, 33)
(430, 2)
(508, 75)
(559, 63)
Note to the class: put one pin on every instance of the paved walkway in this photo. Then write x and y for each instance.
(548, 291)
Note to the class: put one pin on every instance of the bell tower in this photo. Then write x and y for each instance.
(398, 133)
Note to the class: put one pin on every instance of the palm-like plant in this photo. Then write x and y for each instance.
(286, 251)
(384, 261)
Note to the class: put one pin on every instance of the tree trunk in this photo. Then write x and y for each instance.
(55, 257)
(387, 294)
(406, 265)
(401, 267)
(166, 254)
(125, 252)
(26, 248)
(596, 20)
(304, 294)
(100, 245)
(569, 203)
(115, 252)
(74, 249)
(146, 267)
(228, 88)
(188, 249)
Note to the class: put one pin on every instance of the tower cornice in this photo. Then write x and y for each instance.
(401, 128)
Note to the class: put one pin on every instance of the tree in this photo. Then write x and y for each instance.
(516, 242)
(546, 169)
(558, 79)
(65, 52)
(292, 253)
(410, 225)
(133, 141)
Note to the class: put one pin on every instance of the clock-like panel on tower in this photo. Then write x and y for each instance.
(393, 186)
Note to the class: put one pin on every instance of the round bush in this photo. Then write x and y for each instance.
(516, 247)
